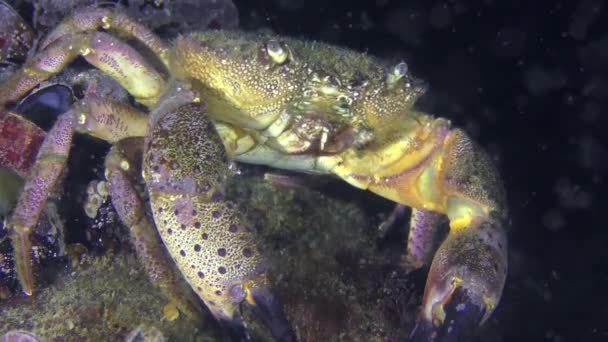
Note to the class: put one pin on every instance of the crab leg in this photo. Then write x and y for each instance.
(422, 237)
(42, 178)
(90, 115)
(122, 62)
(422, 241)
(95, 18)
(122, 169)
(185, 166)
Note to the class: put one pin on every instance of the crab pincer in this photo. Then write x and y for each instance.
(185, 166)
(468, 270)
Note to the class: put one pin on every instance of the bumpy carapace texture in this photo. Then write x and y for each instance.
(185, 166)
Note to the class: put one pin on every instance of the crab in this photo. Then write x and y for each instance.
(217, 96)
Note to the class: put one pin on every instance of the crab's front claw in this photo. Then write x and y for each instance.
(185, 166)
(269, 310)
(464, 284)
(461, 315)
(258, 296)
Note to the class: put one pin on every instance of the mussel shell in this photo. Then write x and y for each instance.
(45, 104)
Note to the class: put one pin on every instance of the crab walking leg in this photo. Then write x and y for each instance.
(422, 237)
(50, 162)
(95, 18)
(422, 240)
(110, 120)
(185, 166)
(93, 115)
(114, 57)
(122, 169)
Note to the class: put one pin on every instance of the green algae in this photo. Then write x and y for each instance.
(103, 298)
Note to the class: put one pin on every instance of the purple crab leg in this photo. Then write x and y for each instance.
(398, 212)
(422, 238)
(41, 180)
(90, 116)
(95, 18)
(123, 167)
(110, 120)
(117, 59)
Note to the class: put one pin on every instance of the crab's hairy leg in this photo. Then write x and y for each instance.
(123, 168)
(110, 120)
(50, 162)
(91, 116)
(20, 140)
(185, 166)
(422, 238)
(113, 56)
(38, 69)
(95, 18)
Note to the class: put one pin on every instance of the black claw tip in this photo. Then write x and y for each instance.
(235, 330)
(270, 311)
(462, 317)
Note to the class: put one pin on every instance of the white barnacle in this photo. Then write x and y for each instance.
(82, 119)
(102, 189)
(124, 164)
(324, 136)
(276, 51)
(84, 52)
(105, 22)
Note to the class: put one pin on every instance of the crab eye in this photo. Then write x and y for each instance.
(276, 51)
(400, 69)
(398, 72)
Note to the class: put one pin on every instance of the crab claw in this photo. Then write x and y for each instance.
(464, 284)
(269, 310)
(265, 306)
(461, 316)
(185, 167)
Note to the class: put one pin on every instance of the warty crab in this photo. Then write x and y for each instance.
(306, 106)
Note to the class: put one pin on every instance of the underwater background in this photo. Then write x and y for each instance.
(526, 79)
